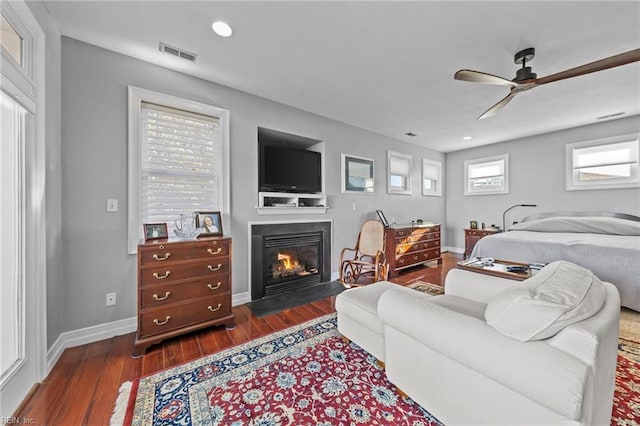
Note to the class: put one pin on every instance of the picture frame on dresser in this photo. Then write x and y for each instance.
(155, 231)
(209, 223)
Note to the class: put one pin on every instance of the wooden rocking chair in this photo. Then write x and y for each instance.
(367, 257)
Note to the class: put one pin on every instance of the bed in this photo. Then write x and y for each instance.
(607, 243)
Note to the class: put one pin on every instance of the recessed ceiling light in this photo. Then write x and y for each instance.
(222, 28)
(466, 138)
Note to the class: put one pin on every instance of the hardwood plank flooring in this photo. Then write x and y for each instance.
(83, 385)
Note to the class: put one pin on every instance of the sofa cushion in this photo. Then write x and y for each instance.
(561, 294)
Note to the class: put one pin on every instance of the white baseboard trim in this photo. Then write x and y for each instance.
(240, 298)
(70, 339)
(457, 250)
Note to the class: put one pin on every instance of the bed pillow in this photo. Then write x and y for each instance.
(561, 294)
(587, 224)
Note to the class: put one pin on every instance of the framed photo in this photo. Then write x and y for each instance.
(209, 223)
(357, 175)
(383, 219)
(473, 225)
(155, 231)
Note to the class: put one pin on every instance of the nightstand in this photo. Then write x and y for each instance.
(472, 236)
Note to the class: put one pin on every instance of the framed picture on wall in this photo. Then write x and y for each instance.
(209, 223)
(357, 175)
(155, 231)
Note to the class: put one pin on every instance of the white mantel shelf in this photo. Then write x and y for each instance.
(297, 203)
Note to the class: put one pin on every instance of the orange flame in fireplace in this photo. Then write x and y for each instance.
(286, 260)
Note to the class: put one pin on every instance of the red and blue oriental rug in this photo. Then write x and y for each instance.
(303, 375)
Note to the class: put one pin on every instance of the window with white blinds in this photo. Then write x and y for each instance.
(606, 163)
(431, 177)
(178, 160)
(399, 173)
(180, 164)
(487, 175)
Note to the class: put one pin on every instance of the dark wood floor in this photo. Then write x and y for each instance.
(82, 387)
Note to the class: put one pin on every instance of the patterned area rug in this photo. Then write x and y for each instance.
(304, 375)
(425, 287)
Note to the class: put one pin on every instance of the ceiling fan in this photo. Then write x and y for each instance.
(526, 79)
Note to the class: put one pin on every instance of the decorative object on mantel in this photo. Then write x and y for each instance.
(208, 224)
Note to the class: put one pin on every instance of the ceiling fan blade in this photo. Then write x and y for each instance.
(482, 77)
(497, 107)
(602, 64)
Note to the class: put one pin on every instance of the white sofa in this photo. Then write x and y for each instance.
(443, 354)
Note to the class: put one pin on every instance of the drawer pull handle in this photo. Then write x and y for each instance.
(214, 287)
(166, 256)
(167, 294)
(166, 320)
(161, 277)
(217, 308)
(210, 251)
(217, 268)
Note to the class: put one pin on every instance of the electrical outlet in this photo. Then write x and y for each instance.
(111, 299)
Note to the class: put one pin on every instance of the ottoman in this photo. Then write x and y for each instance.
(358, 320)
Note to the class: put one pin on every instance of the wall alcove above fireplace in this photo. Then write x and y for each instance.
(289, 257)
(290, 174)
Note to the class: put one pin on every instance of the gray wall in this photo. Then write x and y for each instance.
(537, 176)
(94, 168)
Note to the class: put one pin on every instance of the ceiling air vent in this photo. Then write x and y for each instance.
(175, 51)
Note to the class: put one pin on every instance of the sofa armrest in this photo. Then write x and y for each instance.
(536, 370)
(475, 286)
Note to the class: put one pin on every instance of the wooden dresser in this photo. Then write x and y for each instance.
(183, 286)
(408, 246)
(472, 236)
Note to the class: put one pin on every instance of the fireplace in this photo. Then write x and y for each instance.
(287, 257)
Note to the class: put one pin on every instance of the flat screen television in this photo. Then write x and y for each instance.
(287, 169)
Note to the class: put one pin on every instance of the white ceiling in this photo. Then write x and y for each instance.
(388, 66)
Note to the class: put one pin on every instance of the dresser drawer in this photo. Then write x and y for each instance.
(158, 295)
(166, 253)
(171, 317)
(411, 247)
(171, 272)
(412, 238)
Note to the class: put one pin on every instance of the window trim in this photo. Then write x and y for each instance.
(505, 186)
(438, 165)
(136, 97)
(408, 186)
(572, 185)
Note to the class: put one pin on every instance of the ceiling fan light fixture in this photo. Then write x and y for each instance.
(222, 28)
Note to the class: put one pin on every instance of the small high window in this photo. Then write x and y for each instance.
(399, 173)
(487, 175)
(431, 177)
(603, 164)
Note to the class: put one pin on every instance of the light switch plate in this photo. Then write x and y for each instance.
(112, 205)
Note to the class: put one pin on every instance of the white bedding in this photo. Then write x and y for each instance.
(612, 258)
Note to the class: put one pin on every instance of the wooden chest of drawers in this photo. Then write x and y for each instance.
(408, 246)
(182, 286)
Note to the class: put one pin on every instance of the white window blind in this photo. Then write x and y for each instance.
(431, 177)
(180, 164)
(399, 173)
(609, 163)
(487, 175)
